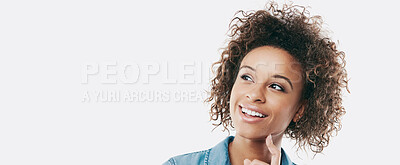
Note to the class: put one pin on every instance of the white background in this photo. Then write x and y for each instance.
(45, 44)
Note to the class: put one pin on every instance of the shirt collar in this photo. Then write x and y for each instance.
(219, 154)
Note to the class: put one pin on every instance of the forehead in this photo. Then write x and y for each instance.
(268, 60)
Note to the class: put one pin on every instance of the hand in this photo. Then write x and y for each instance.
(275, 154)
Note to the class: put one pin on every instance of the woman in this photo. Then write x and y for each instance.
(279, 75)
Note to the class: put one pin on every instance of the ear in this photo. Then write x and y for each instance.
(300, 111)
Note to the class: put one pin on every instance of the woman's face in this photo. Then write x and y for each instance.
(266, 95)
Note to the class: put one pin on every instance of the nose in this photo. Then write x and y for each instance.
(256, 94)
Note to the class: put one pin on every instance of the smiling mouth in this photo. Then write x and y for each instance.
(251, 113)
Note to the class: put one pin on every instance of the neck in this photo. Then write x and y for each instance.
(242, 148)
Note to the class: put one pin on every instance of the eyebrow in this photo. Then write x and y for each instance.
(249, 67)
(274, 76)
(285, 78)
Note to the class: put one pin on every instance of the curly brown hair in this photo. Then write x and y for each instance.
(293, 29)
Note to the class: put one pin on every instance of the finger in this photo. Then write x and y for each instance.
(275, 151)
(258, 162)
(247, 162)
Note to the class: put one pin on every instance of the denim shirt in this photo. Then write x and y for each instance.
(217, 155)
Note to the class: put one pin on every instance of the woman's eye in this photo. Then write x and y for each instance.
(246, 77)
(277, 87)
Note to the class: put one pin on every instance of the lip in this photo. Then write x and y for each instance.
(250, 119)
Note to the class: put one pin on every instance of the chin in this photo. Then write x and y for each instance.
(251, 133)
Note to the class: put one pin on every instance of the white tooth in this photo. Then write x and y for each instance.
(252, 113)
(249, 112)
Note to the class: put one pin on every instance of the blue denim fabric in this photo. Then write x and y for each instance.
(217, 155)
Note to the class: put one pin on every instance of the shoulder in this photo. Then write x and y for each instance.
(198, 157)
(285, 160)
(215, 155)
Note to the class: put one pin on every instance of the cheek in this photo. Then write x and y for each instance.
(232, 98)
(238, 91)
(234, 92)
(283, 110)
